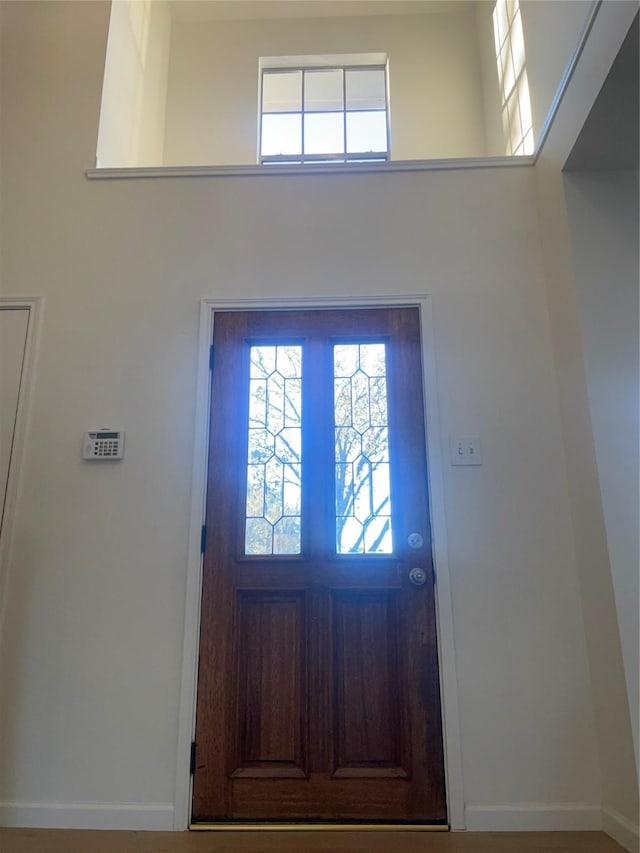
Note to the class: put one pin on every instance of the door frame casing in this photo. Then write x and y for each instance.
(435, 457)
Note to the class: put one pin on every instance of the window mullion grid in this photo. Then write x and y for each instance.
(261, 116)
(302, 115)
(344, 113)
(515, 93)
(386, 114)
(505, 57)
(304, 157)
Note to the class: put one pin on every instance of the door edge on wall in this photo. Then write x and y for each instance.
(32, 304)
(444, 612)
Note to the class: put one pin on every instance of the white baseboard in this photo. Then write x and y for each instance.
(525, 817)
(533, 817)
(621, 830)
(158, 816)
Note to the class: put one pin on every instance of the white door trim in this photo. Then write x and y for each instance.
(435, 450)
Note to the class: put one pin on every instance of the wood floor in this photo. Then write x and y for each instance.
(81, 841)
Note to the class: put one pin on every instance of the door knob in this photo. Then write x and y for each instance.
(418, 576)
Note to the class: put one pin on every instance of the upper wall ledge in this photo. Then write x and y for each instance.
(309, 168)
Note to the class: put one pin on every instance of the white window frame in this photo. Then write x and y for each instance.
(325, 62)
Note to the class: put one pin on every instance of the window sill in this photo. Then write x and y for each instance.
(309, 168)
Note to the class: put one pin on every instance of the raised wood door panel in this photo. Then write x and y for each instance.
(318, 691)
(370, 723)
(271, 670)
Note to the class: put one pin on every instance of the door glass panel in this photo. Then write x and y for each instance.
(274, 457)
(362, 479)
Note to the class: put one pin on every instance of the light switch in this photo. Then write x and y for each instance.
(466, 450)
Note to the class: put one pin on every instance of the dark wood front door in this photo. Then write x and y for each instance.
(318, 690)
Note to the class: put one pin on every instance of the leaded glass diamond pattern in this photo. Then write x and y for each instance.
(274, 457)
(362, 479)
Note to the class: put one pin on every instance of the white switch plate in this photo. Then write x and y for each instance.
(466, 450)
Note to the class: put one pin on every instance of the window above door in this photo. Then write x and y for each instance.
(324, 109)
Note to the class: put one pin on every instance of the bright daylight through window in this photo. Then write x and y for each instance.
(326, 113)
(273, 508)
(512, 75)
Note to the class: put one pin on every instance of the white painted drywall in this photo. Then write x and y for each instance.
(615, 741)
(91, 649)
(552, 30)
(132, 116)
(609, 689)
(435, 89)
(201, 78)
(603, 217)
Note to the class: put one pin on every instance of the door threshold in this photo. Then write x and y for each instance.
(318, 827)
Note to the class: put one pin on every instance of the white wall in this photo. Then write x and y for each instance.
(552, 29)
(134, 95)
(91, 650)
(444, 87)
(603, 217)
(435, 90)
(609, 689)
(615, 743)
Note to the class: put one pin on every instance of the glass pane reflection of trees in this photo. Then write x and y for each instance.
(363, 492)
(274, 460)
(273, 510)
